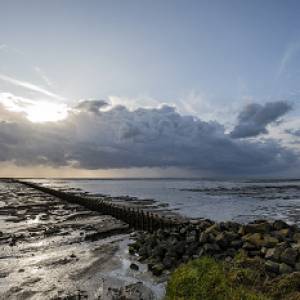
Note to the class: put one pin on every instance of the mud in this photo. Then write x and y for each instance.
(51, 249)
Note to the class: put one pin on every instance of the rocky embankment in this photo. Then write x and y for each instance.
(276, 243)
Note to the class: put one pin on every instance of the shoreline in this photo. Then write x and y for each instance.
(42, 236)
(96, 240)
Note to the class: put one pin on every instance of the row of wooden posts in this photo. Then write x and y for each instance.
(136, 218)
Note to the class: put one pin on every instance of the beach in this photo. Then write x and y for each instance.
(52, 249)
(60, 241)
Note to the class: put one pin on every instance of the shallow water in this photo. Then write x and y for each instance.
(214, 199)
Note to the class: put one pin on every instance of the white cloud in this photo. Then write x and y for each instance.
(287, 57)
(30, 86)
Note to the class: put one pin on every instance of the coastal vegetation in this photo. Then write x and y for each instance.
(242, 279)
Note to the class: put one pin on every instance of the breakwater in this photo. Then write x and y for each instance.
(275, 244)
(137, 219)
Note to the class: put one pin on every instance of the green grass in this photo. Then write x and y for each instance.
(206, 279)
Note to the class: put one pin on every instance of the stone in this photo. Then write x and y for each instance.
(236, 244)
(297, 266)
(211, 247)
(168, 262)
(255, 239)
(134, 267)
(222, 239)
(270, 254)
(263, 251)
(272, 266)
(158, 251)
(270, 241)
(253, 253)
(131, 250)
(284, 233)
(230, 252)
(263, 227)
(203, 238)
(179, 248)
(289, 256)
(275, 253)
(296, 237)
(213, 229)
(248, 246)
(284, 268)
(279, 224)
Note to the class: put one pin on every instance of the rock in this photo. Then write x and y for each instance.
(168, 262)
(179, 248)
(135, 291)
(279, 224)
(270, 254)
(3, 274)
(143, 252)
(255, 239)
(232, 226)
(248, 246)
(263, 251)
(157, 269)
(270, 241)
(213, 229)
(263, 227)
(272, 266)
(203, 238)
(230, 252)
(275, 253)
(222, 240)
(236, 244)
(284, 268)
(131, 250)
(296, 237)
(191, 238)
(253, 253)
(284, 233)
(211, 248)
(134, 267)
(297, 266)
(158, 251)
(289, 256)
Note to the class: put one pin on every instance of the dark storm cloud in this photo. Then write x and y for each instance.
(254, 118)
(119, 138)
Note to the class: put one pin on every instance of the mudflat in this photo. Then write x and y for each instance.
(51, 249)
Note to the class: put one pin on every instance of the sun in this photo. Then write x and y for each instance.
(40, 112)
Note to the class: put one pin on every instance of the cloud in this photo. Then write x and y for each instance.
(93, 106)
(117, 137)
(254, 118)
(293, 132)
(290, 52)
(30, 86)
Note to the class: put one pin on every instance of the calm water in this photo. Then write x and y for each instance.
(218, 200)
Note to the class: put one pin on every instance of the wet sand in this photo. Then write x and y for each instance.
(51, 249)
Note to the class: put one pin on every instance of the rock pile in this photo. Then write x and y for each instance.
(276, 242)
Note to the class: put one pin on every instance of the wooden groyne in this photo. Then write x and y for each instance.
(138, 219)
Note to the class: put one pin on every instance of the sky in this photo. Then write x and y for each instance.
(149, 88)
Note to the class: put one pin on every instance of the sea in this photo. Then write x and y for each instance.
(219, 200)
